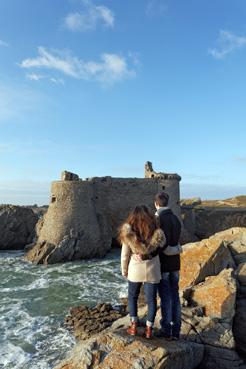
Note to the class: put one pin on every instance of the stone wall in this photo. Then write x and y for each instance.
(84, 215)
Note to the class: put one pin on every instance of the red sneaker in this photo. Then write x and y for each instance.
(148, 332)
(132, 329)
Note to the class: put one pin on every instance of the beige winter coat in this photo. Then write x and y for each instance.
(145, 270)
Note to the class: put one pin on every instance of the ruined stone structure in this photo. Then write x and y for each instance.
(84, 215)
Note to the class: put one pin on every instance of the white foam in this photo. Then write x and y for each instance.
(34, 300)
(12, 356)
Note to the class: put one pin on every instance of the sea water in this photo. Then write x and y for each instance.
(35, 298)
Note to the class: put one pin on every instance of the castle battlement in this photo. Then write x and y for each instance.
(84, 215)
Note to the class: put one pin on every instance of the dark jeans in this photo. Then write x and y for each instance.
(150, 291)
(170, 304)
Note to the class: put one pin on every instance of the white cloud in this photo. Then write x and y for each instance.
(110, 69)
(57, 81)
(34, 77)
(3, 43)
(38, 77)
(156, 7)
(227, 43)
(46, 59)
(89, 17)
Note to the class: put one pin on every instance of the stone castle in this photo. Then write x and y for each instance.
(84, 215)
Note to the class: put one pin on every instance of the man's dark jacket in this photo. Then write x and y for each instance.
(171, 226)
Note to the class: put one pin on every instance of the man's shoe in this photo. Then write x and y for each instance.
(175, 338)
(168, 338)
(132, 329)
(148, 332)
(161, 333)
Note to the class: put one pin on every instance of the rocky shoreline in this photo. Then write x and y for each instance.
(213, 317)
(20, 226)
(213, 295)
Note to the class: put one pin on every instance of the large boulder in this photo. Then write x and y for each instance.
(221, 358)
(211, 331)
(239, 326)
(116, 350)
(217, 295)
(241, 274)
(17, 226)
(206, 258)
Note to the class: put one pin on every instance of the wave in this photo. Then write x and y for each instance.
(35, 299)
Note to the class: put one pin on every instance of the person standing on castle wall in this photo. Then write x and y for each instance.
(140, 235)
(170, 266)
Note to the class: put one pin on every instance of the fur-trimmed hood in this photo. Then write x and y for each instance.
(129, 237)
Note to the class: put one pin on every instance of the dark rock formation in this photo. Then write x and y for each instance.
(85, 321)
(17, 227)
(204, 218)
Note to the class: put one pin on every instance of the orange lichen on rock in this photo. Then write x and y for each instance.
(217, 295)
(206, 258)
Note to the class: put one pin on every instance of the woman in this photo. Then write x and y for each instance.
(140, 235)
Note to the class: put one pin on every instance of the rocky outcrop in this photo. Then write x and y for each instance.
(242, 274)
(221, 358)
(17, 226)
(238, 249)
(191, 202)
(217, 295)
(213, 318)
(116, 350)
(204, 218)
(86, 322)
(212, 220)
(236, 202)
(239, 326)
(205, 258)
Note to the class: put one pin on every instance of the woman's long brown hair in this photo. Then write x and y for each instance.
(143, 223)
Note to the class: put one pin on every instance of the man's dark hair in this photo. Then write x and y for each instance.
(162, 199)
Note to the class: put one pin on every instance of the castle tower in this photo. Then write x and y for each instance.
(84, 215)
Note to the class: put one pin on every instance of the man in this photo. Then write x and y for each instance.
(170, 266)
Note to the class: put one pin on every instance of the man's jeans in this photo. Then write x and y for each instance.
(170, 304)
(150, 291)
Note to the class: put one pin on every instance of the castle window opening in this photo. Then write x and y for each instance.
(53, 198)
(163, 187)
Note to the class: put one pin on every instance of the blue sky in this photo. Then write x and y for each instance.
(100, 87)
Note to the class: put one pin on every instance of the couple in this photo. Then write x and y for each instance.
(150, 256)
